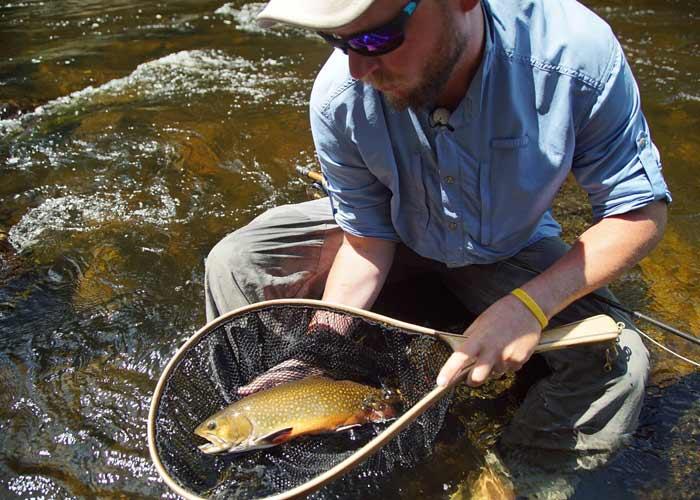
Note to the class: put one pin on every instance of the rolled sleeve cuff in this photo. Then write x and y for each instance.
(369, 221)
(643, 184)
(635, 194)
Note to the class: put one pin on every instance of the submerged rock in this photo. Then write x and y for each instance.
(12, 109)
(9, 260)
(101, 281)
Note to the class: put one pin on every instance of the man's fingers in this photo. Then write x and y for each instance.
(479, 374)
(268, 381)
(256, 385)
(287, 371)
(246, 390)
(452, 367)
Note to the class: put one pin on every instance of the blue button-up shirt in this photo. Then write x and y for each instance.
(553, 94)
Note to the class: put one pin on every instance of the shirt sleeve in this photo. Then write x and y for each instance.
(615, 160)
(361, 203)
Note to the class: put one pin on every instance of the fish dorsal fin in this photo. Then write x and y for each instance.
(276, 437)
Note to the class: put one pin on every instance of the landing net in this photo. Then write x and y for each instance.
(208, 371)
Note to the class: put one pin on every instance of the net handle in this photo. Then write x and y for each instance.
(598, 328)
(594, 329)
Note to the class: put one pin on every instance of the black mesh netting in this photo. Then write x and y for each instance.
(235, 352)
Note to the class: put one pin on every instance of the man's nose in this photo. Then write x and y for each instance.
(361, 66)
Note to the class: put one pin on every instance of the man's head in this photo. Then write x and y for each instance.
(421, 43)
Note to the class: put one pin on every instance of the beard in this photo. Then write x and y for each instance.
(435, 73)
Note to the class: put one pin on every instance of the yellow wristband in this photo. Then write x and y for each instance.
(530, 303)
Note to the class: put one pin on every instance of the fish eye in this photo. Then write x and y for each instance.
(211, 425)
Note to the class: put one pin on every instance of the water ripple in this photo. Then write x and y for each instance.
(177, 77)
(78, 213)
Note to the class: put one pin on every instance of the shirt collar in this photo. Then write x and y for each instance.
(470, 105)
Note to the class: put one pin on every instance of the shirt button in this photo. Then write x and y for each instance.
(449, 179)
(452, 225)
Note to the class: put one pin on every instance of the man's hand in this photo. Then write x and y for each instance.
(504, 336)
(500, 340)
(355, 279)
(296, 369)
(287, 371)
(335, 322)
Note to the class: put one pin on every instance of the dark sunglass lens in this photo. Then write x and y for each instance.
(375, 43)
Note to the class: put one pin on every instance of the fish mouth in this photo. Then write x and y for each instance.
(219, 445)
(215, 445)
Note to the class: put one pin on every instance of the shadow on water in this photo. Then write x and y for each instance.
(661, 462)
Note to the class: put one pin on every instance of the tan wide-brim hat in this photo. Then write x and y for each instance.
(313, 14)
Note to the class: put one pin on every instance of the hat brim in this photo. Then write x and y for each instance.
(312, 14)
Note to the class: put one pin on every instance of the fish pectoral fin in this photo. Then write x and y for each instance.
(276, 437)
(346, 427)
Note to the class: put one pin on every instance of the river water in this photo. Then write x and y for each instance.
(134, 135)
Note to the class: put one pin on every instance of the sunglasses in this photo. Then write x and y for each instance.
(378, 41)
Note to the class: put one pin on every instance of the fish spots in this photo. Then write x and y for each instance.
(308, 406)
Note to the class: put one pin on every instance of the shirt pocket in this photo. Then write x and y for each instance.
(521, 183)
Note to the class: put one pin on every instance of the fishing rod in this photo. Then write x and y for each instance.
(648, 319)
(319, 182)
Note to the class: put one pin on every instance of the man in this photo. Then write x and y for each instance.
(444, 129)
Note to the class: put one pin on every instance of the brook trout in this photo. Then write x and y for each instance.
(312, 405)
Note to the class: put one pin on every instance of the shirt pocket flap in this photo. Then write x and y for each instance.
(510, 142)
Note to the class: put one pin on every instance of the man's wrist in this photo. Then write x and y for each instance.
(531, 305)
